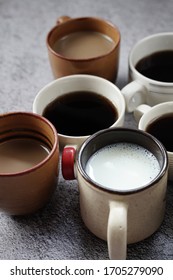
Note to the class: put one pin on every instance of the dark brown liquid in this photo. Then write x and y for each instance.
(80, 113)
(17, 155)
(158, 66)
(162, 129)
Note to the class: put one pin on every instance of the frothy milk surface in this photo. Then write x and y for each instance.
(123, 166)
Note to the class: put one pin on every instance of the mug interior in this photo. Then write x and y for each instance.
(82, 83)
(115, 135)
(150, 45)
(83, 24)
(154, 113)
(22, 125)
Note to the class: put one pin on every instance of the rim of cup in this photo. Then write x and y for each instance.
(52, 150)
(122, 192)
(84, 19)
(44, 90)
(132, 66)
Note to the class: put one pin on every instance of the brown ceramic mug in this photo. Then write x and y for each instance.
(84, 45)
(29, 157)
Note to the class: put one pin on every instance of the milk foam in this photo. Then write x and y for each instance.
(123, 166)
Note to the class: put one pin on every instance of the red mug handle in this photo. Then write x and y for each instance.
(68, 159)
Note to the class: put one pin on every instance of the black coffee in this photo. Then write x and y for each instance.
(162, 129)
(80, 113)
(157, 66)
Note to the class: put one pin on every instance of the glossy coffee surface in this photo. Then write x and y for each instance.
(81, 113)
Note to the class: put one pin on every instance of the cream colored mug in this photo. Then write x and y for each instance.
(143, 89)
(158, 120)
(119, 214)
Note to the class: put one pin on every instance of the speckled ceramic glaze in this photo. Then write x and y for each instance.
(124, 216)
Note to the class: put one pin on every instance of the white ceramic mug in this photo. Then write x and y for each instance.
(143, 90)
(146, 115)
(81, 83)
(119, 216)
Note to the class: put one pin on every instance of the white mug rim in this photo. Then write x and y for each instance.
(137, 73)
(100, 187)
(80, 76)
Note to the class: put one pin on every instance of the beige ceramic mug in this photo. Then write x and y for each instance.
(98, 104)
(150, 71)
(85, 45)
(122, 191)
(29, 157)
(158, 120)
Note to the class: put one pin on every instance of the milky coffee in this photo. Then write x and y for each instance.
(123, 166)
(20, 154)
(84, 45)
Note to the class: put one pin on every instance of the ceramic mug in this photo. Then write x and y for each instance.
(119, 214)
(29, 156)
(142, 89)
(158, 120)
(81, 83)
(104, 64)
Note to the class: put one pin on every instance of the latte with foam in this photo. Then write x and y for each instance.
(123, 167)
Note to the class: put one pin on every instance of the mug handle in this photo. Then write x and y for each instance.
(68, 162)
(62, 19)
(140, 111)
(134, 94)
(117, 230)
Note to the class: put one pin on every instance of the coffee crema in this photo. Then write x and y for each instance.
(157, 66)
(20, 154)
(122, 167)
(80, 113)
(84, 45)
(162, 128)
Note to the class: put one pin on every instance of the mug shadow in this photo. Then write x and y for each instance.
(160, 244)
(58, 232)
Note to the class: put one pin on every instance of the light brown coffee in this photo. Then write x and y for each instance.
(84, 45)
(19, 154)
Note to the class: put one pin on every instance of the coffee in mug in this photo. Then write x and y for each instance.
(150, 72)
(80, 113)
(29, 162)
(158, 121)
(86, 45)
(160, 128)
(19, 154)
(79, 105)
(122, 166)
(83, 45)
(157, 66)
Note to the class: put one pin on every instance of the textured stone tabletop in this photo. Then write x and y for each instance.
(57, 231)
